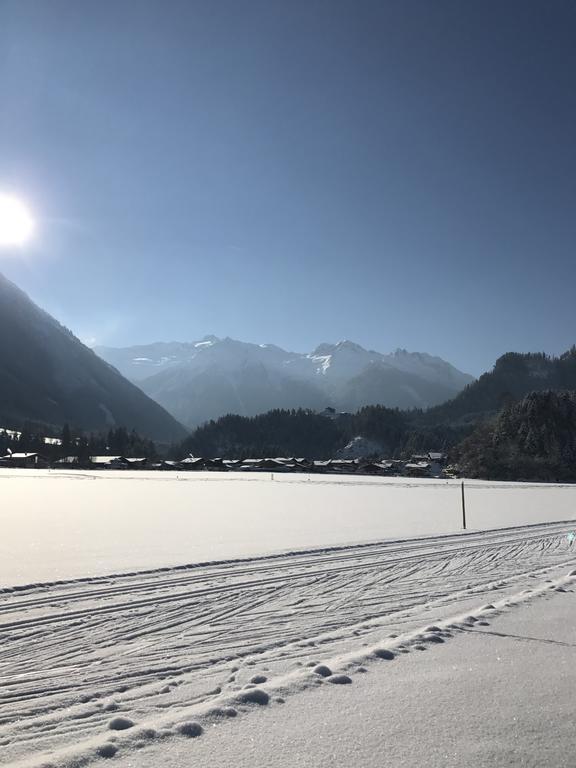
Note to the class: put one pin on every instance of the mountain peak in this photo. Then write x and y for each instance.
(330, 349)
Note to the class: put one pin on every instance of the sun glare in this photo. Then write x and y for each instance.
(16, 221)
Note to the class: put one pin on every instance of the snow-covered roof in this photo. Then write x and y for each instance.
(20, 456)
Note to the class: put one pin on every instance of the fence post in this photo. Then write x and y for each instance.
(463, 508)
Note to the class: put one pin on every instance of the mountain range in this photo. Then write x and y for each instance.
(47, 376)
(206, 379)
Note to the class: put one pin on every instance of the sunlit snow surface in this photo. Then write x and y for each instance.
(61, 525)
(134, 663)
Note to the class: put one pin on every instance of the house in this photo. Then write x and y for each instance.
(71, 462)
(343, 465)
(108, 462)
(25, 460)
(233, 463)
(169, 464)
(191, 462)
(136, 463)
(376, 468)
(417, 469)
(437, 462)
(332, 413)
(52, 441)
(256, 465)
(216, 464)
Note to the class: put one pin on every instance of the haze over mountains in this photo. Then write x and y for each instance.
(207, 379)
(48, 376)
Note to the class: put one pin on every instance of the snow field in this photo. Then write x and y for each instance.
(62, 525)
(108, 666)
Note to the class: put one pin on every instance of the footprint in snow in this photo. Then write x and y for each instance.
(257, 679)
(120, 723)
(432, 638)
(339, 679)
(190, 728)
(107, 750)
(254, 696)
(222, 712)
(147, 733)
(322, 670)
(384, 653)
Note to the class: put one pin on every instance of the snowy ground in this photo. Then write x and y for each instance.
(499, 693)
(135, 666)
(63, 525)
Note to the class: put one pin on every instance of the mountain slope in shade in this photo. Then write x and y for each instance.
(48, 376)
(207, 379)
(514, 375)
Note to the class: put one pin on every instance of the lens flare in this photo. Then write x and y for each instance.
(16, 221)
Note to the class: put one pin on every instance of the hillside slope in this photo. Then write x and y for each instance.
(47, 375)
(533, 439)
(514, 375)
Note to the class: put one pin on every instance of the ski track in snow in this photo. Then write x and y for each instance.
(148, 646)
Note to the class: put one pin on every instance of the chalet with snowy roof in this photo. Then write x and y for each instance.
(136, 462)
(25, 460)
(108, 462)
(417, 469)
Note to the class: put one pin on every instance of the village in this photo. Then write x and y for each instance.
(433, 464)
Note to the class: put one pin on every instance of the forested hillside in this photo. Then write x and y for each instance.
(514, 375)
(534, 439)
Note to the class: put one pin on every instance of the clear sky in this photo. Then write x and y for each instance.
(395, 172)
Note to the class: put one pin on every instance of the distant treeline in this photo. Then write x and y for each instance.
(116, 442)
(309, 434)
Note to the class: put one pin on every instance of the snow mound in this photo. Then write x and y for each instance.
(384, 653)
(339, 679)
(190, 728)
(107, 750)
(120, 723)
(254, 696)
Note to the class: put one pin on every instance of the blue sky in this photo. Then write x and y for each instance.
(399, 173)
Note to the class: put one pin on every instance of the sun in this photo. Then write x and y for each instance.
(16, 221)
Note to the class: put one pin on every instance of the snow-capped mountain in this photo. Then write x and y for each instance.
(203, 380)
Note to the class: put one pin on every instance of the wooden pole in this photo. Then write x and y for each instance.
(463, 508)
